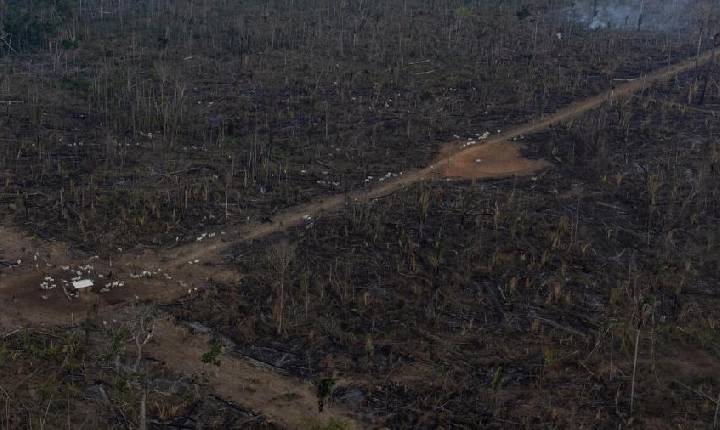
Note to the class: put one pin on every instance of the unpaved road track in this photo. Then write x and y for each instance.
(167, 274)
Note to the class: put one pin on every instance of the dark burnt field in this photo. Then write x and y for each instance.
(517, 302)
(156, 121)
(165, 150)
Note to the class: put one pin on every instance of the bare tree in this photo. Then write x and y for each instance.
(281, 256)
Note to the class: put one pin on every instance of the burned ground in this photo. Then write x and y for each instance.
(497, 302)
(239, 112)
(205, 163)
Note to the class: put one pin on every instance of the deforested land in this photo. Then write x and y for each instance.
(351, 214)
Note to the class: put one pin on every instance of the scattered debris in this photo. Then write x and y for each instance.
(82, 284)
(478, 137)
(387, 176)
(205, 236)
(48, 283)
(143, 274)
(111, 285)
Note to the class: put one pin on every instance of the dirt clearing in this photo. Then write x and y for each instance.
(282, 399)
(491, 161)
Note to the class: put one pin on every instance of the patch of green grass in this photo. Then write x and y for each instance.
(212, 356)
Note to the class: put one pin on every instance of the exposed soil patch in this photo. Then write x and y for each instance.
(38, 282)
(492, 160)
(283, 400)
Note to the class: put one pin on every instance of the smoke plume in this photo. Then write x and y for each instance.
(658, 15)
